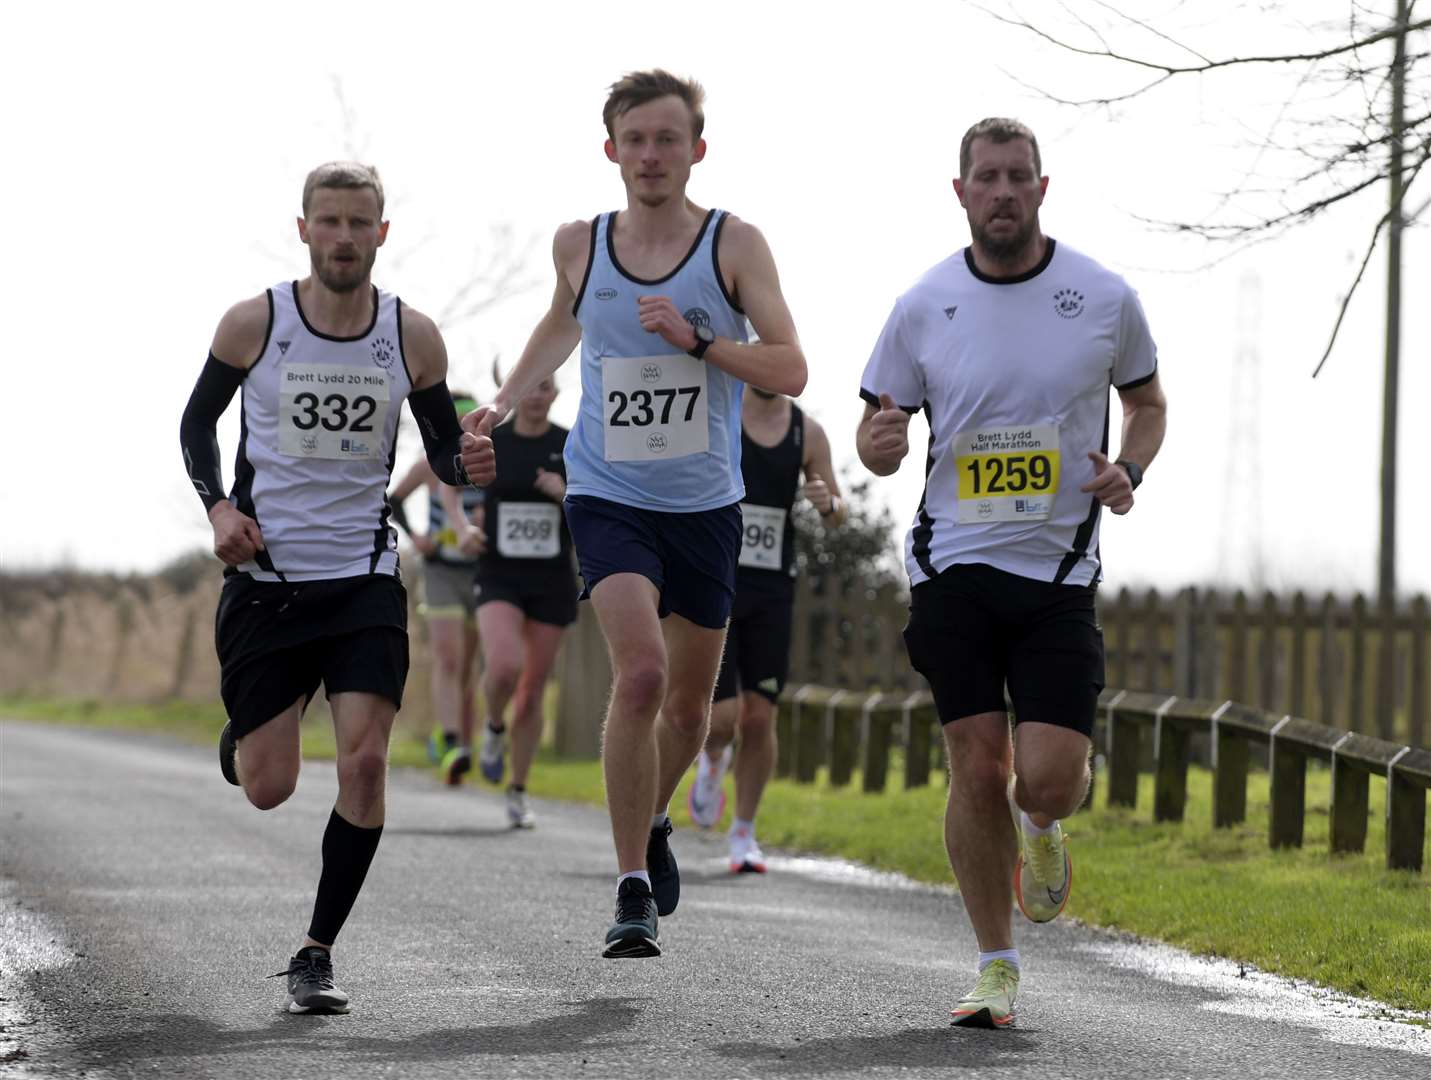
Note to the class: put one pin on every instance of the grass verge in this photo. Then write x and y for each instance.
(1345, 922)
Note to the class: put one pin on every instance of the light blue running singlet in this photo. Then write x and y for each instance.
(658, 429)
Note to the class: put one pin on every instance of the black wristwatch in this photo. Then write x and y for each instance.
(1134, 471)
(705, 337)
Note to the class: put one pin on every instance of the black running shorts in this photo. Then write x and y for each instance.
(277, 641)
(973, 628)
(757, 644)
(543, 598)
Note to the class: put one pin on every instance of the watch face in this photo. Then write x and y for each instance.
(705, 333)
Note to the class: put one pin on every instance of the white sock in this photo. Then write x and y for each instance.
(987, 958)
(741, 827)
(639, 875)
(1030, 829)
(660, 818)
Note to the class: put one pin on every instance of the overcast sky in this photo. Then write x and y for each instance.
(156, 154)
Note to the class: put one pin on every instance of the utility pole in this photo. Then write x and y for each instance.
(1386, 570)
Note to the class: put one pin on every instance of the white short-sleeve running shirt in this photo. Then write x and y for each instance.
(1013, 376)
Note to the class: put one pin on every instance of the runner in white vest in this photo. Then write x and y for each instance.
(312, 593)
(1009, 348)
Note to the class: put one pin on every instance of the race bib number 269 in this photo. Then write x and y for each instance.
(1007, 474)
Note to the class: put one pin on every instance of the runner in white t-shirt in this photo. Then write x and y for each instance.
(1009, 348)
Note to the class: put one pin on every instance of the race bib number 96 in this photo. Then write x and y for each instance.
(1007, 474)
(654, 407)
(762, 536)
(331, 411)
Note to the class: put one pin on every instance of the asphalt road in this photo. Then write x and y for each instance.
(142, 902)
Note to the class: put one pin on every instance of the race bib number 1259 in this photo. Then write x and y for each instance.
(1007, 474)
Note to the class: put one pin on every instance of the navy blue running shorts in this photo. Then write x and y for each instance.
(690, 558)
(973, 629)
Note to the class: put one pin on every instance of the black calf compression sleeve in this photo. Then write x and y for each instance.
(441, 433)
(198, 437)
(347, 853)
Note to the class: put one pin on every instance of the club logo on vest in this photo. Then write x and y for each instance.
(1068, 303)
(605, 294)
(650, 372)
(283, 347)
(656, 443)
(309, 443)
(698, 316)
(384, 353)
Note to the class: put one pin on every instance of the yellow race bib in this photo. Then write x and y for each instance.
(1007, 473)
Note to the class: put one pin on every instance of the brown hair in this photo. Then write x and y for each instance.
(639, 87)
(996, 129)
(343, 174)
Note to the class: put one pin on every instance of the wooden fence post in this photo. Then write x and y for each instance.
(1229, 773)
(1416, 731)
(1268, 654)
(1237, 668)
(1407, 778)
(785, 732)
(1328, 663)
(843, 721)
(1184, 643)
(918, 725)
(809, 723)
(1124, 750)
(1384, 695)
(1351, 794)
(1170, 782)
(1298, 697)
(1152, 644)
(879, 726)
(585, 689)
(1356, 716)
(1208, 666)
(1121, 612)
(1288, 767)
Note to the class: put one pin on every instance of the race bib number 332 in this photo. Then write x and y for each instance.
(1008, 473)
(654, 407)
(332, 411)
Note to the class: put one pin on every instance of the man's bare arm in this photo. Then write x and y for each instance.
(776, 362)
(821, 486)
(1145, 422)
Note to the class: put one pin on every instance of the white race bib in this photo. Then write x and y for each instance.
(762, 536)
(528, 530)
(654, 407)
(1007, 473)
(332, 411)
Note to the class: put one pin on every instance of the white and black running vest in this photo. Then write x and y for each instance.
(319, 433)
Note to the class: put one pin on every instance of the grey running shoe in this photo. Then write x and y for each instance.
(634, 932)
(492, 759)
(518, 812)
(310, 983)
(661, 865)
(228, 751)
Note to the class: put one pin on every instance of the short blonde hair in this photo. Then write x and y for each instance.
(342, 174)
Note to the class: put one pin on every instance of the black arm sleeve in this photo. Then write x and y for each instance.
(398, 513)
(441, 433)
(198, 437)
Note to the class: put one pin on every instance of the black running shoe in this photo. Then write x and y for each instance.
(634, 933)
(661, 865)
(228, 748)
(310, 983)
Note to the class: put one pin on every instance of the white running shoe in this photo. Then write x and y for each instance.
(1043, 875)
(706, 801)
(745, 854)
(518, 812)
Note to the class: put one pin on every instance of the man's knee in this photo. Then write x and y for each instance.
(641, 686)
(501, 676)
(270, 788)
(686, 713)
(757, 717)
(364, 768)
(1056, 794)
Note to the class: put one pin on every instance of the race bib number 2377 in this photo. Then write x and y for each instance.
(654, 407)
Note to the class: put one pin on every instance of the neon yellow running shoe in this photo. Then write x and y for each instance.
(1043, 876)
(991, 1003)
